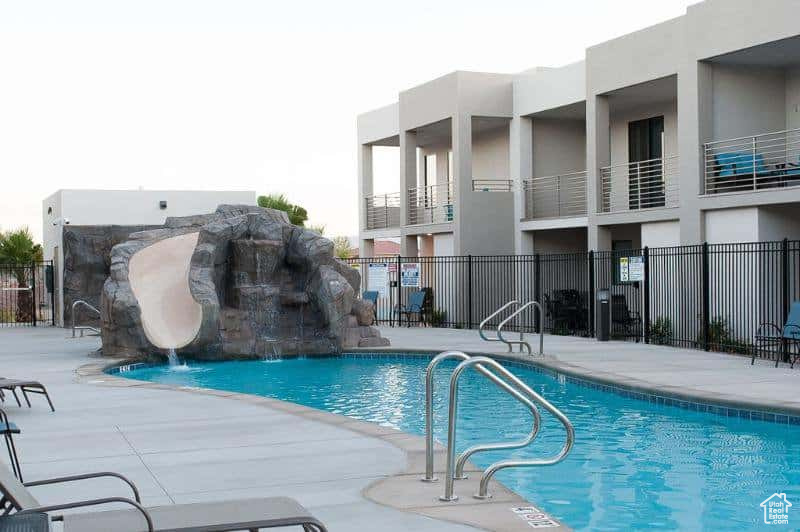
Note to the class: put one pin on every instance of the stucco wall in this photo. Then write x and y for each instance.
(559, 146)
(490, 154)
(747, 100)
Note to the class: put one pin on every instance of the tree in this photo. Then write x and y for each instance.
(297, 214)
(341, 247)
(19, 253)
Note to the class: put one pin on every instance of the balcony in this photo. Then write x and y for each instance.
(383, 211)
(765, 161)
(557, 196)
(640, 185)
(430, 205)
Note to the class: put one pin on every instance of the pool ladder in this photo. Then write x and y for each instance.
(511, 343)
(507, 382)
(81, 328)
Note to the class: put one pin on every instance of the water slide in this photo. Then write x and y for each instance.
(159, 278)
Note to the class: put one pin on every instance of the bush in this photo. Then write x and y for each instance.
(438, 317)
(721, 338)
(661, 331)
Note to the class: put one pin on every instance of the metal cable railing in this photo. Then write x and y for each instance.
(431, 204)
(492, 185)
(382, 211)
(763, 161)
(555, 196)
(650, 184)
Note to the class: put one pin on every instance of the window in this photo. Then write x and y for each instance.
(645, 154)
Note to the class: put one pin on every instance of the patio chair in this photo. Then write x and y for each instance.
(221, 516)
(25, 387)
(8, 430)
(372, 297)
(416, 305)
(772, 334)
(626, 320)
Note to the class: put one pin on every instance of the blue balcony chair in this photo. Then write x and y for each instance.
(772, 334)
(416, 304)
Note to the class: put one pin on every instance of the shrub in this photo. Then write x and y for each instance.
(661, 331)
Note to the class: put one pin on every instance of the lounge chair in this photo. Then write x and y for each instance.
(772, 334)
(8, 429)
(416, 304)
(224, 516)
(25, 387)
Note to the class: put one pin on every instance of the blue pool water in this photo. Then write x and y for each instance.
(636, 465)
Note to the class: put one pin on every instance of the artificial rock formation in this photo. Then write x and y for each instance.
(255, 286)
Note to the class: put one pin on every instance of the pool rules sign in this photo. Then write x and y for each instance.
(631, 269)
(409, 275)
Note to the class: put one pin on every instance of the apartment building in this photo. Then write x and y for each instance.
(683, 132)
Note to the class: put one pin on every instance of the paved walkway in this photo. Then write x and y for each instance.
(688, 373)
(186, 447)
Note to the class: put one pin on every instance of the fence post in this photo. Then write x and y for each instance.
(646, 259)
(399, 295)
(537, 292)
(705, 299)
(33, 292)
(785, 294)
(53, 292)
(592, 295)
(469, 291)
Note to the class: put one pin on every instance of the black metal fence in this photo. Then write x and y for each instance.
(26, 294)
(711, 296)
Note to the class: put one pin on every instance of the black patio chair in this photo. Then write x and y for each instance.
(627, 321)
(772, 334)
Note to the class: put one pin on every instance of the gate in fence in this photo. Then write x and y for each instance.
(716, 297)
(27, 296)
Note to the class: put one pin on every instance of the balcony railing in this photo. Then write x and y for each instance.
(430, 205)
(492, 185)
(640, 185)
(555, 196)
(383, 211)
(768, 160)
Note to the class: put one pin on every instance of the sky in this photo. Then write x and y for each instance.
(248, 94)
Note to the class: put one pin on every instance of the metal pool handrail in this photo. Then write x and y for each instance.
(429, 476)
(492, 315)
(83, 327)
(497, 466)
(522, 342)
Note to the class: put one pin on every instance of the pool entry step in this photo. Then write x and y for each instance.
(508, 382)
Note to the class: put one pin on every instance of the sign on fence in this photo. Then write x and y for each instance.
(409, 275)
(631, 269)
(378, 277)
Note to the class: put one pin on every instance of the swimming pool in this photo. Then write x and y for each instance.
(636, 465)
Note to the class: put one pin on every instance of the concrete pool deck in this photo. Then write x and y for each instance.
(191, 445)
(689, 374)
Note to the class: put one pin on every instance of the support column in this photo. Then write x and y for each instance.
(365, 184)
(598, 154)
(521, 159)
(695, 127)
(408, 179)
(462, 182)
(366, 248)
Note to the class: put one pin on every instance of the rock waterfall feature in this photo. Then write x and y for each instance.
(241, 282)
